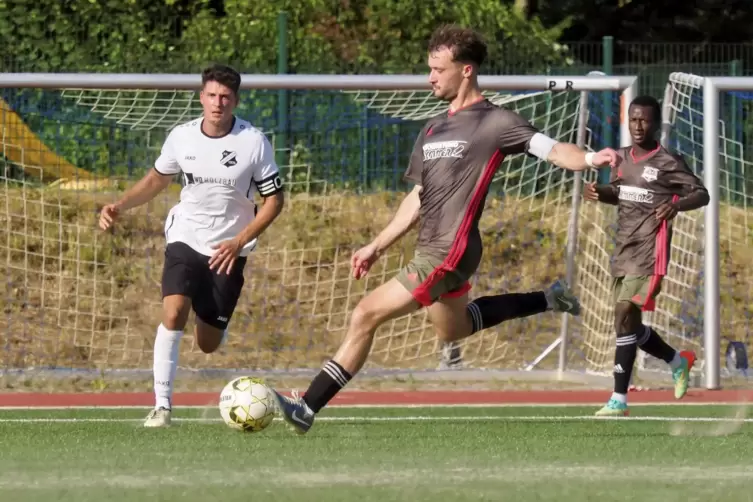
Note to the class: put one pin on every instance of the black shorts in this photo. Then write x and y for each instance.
(214, 297)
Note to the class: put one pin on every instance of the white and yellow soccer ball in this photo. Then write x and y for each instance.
(247, 404)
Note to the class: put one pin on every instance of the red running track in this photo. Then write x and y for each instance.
(454, 397)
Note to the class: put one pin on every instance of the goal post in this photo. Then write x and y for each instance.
(82, 299)
(704, 121)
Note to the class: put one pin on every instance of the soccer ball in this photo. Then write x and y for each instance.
(247, 404)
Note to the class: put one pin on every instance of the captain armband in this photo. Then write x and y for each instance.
(541, 146)
(270, 186)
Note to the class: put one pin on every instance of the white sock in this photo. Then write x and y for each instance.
(676, 361)
(166, 347)
(622, 398)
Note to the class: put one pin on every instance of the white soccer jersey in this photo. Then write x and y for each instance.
(220, 175)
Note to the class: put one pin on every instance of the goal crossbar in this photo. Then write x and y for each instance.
(173, 81)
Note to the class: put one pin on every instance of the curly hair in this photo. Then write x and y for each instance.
(466, 45)
(222, 74)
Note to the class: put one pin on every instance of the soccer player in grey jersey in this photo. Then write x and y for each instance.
(452, 165)
(650, 187)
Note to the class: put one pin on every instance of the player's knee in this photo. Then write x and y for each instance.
(208, 338)
(173, 319)
(627, 318)
(175, 312)
(365, 318)
(208, 345)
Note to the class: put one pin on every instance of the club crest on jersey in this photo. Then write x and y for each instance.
(650, 173)
(444, 149)
(228, 158)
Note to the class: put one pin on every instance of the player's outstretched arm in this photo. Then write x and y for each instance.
(571, 157)
(518, 135)
(404, 219)
(142, 192)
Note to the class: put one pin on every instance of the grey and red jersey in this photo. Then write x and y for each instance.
(454, 160)
(639, 186)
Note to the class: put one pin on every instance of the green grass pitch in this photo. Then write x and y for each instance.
(457, 453)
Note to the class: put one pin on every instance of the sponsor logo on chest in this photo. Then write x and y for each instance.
(636, 194)
(444, 150)
(650, 173)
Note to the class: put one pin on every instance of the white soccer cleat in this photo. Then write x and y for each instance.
(159, 417)
(451, 358)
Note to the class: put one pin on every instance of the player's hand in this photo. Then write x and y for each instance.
(224, 256)
(589, 192)
(606, 157)
(666, 211)
(108, 215)
(363, 259)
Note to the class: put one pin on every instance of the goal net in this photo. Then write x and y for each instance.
(680, 313)
(80, 298)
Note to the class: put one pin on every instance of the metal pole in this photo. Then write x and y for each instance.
(738, 139)
(607, 65)
(281, 146)
(628, 95)
(666, 114)
(572, 229)
(711, 320)
(191, 81)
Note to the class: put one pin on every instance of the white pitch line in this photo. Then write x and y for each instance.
(384, 406)
(472, 418)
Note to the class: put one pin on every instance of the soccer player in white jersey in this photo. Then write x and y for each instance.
(223, 160)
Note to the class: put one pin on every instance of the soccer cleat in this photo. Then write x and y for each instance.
(295, 411)
(562, 299)
(158, 417)
(681, 374)
(613, 408)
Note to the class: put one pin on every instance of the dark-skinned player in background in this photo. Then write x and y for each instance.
(649, 188)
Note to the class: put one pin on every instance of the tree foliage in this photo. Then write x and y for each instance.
(325, 36)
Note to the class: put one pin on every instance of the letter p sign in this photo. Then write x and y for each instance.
(560, 85)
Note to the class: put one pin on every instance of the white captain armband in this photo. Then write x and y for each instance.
(270, 186)
(541, 145)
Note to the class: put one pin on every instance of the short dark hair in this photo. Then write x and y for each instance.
(466, 45)
(649, 102)
(222, 74)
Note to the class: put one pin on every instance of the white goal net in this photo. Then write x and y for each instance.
(682, 310)
(80, 298)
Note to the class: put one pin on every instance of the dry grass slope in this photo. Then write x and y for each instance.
(77, 297)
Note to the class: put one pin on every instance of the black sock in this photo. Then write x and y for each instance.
(624, 359)
(489, 311)
(651, 343)
(326, 385)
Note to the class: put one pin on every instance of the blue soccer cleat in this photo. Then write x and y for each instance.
(613, 408)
